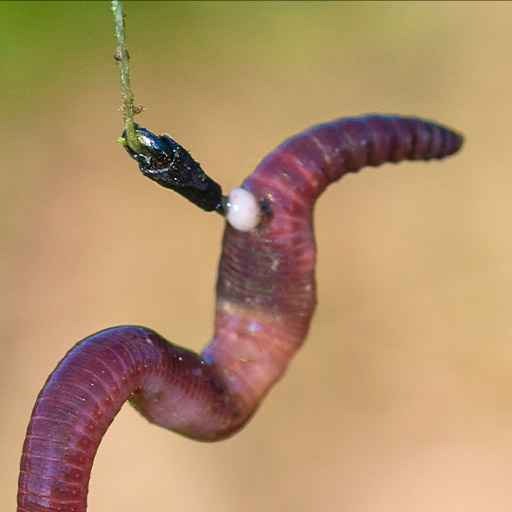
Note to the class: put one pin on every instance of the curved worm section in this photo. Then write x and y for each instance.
(265, 300)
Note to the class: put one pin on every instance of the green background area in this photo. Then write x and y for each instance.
(49, 46)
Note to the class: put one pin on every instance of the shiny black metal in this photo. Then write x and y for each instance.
(171, 165)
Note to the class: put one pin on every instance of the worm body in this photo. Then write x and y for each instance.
(266, 297)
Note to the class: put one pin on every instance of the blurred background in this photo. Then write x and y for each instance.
(400, 398)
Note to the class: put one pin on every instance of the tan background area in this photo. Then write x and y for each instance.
(401, 398)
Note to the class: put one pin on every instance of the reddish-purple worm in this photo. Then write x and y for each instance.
(265, 300)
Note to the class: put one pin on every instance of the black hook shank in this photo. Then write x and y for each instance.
(169, 164)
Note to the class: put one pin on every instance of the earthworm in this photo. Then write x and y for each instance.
(266, 296)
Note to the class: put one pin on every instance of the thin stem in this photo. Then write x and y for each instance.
(122, 57)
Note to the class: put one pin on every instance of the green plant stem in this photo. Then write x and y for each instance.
(122, 57)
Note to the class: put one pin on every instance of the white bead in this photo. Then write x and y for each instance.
(243, 211)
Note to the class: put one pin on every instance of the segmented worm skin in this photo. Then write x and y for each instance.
(265, 300)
